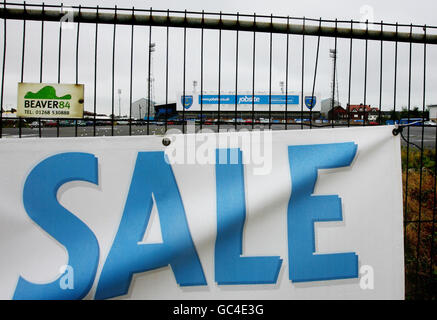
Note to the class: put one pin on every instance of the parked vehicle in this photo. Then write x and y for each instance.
(80, 123)
(65, 123)
(430, 123)
(34, 124)
(50, 123)
(103, 122)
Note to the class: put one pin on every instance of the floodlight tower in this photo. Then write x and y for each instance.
(281, 85)
(150, 78)
(334, 82)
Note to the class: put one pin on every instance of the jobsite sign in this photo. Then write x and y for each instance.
(192, 101)
(48, 100)
(311, 214)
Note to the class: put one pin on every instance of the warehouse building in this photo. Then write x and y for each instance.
(432, 108)
(142, 107)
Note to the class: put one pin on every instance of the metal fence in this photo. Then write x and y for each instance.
(155, 54)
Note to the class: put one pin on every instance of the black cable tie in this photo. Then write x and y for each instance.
(399, 129)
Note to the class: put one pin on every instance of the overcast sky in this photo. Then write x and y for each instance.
(417, 12)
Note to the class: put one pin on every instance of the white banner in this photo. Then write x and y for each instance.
(300, 214)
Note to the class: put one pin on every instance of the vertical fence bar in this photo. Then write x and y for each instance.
(334, 78)
(77, 64)
(184, 71)
(270, 73)
(131, 70)
(365, 73)
(315, 76)
(253, 70)
(302, 75)
(149, 75)
(60, 45)
(236, 76)
(219, 72)
(431, 253)
(41, 63)
(59, 62)
(23, 47)
(42, 46)
(408, 145)
(395, 74)
(23, 52)
(350, 78)
(380, 76)
(201, 69)
(95, 70)
(395, 80)
(421, 169)
(166, 72)
(113, 72)
(286, 73)
(3, 77)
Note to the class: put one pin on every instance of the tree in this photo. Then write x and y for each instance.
(394, 115)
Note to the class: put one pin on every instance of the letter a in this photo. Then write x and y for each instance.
(152, 174)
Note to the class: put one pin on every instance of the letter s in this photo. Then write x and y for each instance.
(40, 203)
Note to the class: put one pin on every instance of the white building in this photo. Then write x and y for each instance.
(141, 107)
(9, 115)
(432, 108)
(326, 106)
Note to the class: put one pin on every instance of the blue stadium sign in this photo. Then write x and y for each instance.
(249, 99)
(187, 101)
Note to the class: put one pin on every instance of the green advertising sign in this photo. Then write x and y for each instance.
(42, 100)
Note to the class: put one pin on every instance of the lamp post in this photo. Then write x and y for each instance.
(150, 78)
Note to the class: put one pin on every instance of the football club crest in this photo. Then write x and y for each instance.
(187, 101)
(310, 102)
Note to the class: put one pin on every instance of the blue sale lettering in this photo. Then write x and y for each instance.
(230, 267)
(152, 174)
(39, 198)
(153, 178)
(304, 209)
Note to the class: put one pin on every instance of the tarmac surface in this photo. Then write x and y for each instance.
(414, 135)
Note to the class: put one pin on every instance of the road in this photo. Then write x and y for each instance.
(415, 133)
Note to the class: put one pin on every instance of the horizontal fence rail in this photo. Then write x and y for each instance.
(145, 19)
(155, 55)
